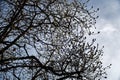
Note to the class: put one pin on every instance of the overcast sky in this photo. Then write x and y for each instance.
(109, 25)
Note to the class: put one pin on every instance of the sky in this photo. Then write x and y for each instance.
(108, 24)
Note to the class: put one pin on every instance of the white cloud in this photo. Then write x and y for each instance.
(108, 29)
(109, 25)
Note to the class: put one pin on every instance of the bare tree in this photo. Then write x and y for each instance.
(47, 39)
